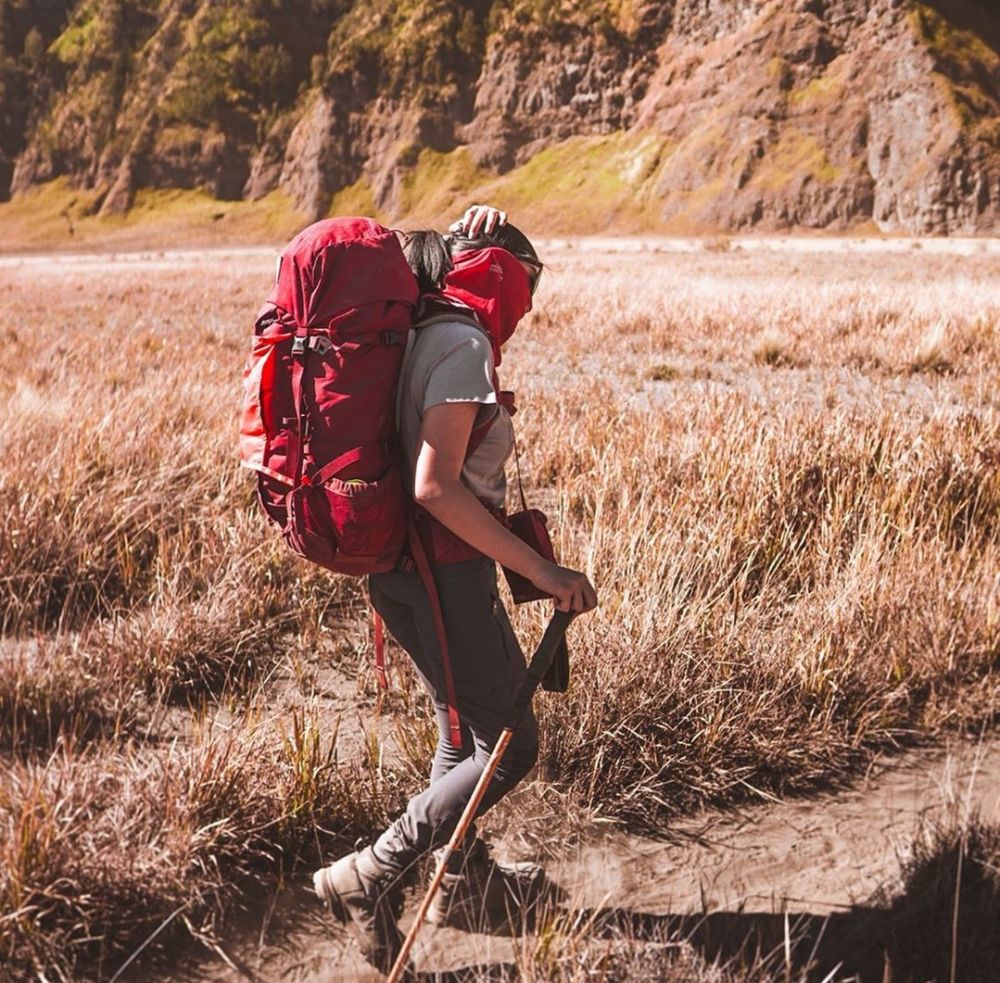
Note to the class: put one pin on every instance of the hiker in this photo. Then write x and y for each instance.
(455, 435)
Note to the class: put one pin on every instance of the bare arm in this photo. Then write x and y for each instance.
(444, 438)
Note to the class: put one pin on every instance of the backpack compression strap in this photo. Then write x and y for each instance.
(427, 576)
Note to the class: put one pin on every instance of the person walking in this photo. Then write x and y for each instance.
(455, 435)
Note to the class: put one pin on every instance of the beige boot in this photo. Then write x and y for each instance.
(364, 895)
(481, 886)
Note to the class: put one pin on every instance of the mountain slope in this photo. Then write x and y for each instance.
(685, 115)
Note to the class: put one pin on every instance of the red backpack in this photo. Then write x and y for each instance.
(319, 410)
(319, 395)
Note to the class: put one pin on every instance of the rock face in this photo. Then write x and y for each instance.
(718, 114)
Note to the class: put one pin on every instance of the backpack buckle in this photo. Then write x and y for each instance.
(317, 342)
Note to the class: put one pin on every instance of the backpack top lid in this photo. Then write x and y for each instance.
(338, 266)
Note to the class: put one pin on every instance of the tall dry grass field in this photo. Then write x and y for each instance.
(781, 470)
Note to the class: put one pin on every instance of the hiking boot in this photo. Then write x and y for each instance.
(479, 889)
(364, 895)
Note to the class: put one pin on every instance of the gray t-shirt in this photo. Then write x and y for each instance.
(451, 361)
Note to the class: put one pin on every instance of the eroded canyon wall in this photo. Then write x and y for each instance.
(692, 115)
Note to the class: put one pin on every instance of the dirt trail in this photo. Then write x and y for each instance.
(817, 855)
(739, 872)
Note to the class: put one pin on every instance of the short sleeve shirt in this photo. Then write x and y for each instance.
(452, 362)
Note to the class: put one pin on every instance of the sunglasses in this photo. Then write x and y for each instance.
(535, 276)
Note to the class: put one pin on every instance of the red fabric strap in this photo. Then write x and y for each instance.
(355, 454)
(380, 673)
(505, 400)
(427, 576)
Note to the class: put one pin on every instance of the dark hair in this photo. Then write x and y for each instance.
(429, 253)
(429, 258)
(507, 236)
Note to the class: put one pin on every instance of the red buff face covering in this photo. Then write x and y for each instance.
(496, 286)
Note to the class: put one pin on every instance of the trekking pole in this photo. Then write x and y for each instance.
(540, 663)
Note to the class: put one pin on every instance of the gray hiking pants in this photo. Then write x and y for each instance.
(487, 665)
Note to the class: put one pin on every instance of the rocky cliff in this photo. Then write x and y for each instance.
(684, 115)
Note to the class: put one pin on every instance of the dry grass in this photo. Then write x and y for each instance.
(797, 565)
(778, 600)
(100, 848)
(781, 473)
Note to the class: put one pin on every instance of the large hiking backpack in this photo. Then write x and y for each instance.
(319, 395)
(319, 416)
(319, 409)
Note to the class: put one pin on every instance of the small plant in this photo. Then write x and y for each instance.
(718, 244)
(661, 372)
(772, 348)
(932, 354)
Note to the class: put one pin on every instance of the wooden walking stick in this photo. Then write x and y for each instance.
(540, 663)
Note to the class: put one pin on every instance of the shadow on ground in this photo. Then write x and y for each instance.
(863, 943)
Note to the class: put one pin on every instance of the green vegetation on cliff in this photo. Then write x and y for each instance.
(427, 48)
(965, 42)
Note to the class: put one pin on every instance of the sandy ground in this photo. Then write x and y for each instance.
(810, 866)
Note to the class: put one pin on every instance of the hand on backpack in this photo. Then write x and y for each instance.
(479, 220)
(570, 588)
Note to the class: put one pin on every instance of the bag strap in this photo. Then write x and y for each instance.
(380, 671)
(427, 576)
(364, 453)
(520, 485)
(300, 346)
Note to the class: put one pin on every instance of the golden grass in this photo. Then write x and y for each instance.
(58, 216)
(101, 847)
(781, 472)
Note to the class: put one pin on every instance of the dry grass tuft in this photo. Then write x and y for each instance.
(932, 354)
(52, 689)
(99, 849)
(661, 372)
(772, 348)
